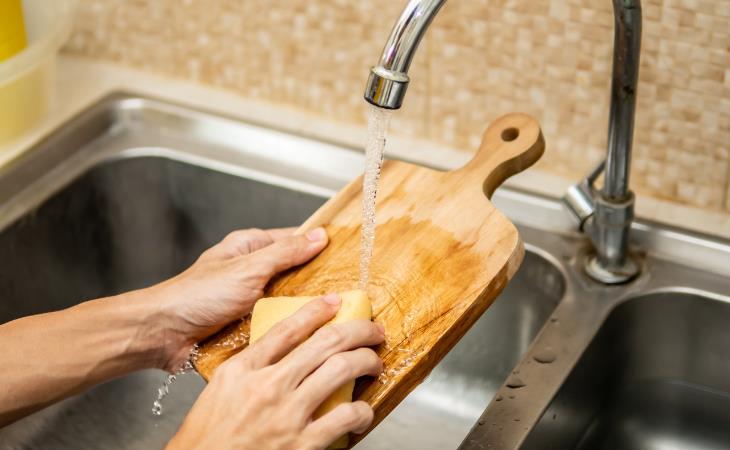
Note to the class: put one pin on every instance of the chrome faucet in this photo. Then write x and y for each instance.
(605, 215)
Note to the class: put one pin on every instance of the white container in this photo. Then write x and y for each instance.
(27, 78)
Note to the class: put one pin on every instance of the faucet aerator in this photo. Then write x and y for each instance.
(386, 88)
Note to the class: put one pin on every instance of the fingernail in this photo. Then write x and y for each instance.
(316, 235)
(380, 328)
(332, 299)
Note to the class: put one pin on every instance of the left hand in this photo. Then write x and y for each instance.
(223, 285)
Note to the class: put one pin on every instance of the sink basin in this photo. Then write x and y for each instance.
(137, 217)
(125, 224)
(132, 190)
(129, 223)
(654, 377)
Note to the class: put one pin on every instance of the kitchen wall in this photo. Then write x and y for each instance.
(481, 59)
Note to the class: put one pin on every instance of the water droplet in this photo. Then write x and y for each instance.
(553, 319)
(517, 420)
(545, 356)
(512, 397)
(515, 383)
(164, 390)
(498, 398)
(482, 421)
(162, 393)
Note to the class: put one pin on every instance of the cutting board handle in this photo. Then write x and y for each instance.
(511, 144)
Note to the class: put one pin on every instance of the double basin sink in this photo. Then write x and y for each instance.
(132, 190)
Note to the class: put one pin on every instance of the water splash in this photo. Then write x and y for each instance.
(378, 120)
(234, 340)
(189, 364)
(162, 393)
(164, 390)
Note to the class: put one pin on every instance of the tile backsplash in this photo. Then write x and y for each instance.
(480, 59)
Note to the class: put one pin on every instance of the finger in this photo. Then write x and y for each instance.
(328, 341)
(239, 242)
(334, 373)
(243, 242)
(288, 252)
(346, 418)
(290, 332)
(280, 233)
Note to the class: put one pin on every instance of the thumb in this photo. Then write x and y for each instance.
(290, 251)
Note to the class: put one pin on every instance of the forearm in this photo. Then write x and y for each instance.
(48, 357)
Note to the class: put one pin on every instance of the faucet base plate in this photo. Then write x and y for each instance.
(627, 272)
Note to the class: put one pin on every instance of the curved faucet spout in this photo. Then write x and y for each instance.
(606, 215)
(388, 80)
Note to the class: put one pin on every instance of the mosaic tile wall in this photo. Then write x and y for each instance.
(481, 59)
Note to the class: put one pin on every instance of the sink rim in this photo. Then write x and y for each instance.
(679, 260)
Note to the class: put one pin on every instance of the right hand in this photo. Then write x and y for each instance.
(264, 397)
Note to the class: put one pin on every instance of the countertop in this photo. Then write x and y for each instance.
(81, 82)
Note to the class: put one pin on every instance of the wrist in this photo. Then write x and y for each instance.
(154, 340)
(162, 331)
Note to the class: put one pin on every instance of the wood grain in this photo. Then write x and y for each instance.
(442, 254)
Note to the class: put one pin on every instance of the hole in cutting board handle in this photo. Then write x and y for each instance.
(510, 134)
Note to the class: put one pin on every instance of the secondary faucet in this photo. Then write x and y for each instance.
(605, 215)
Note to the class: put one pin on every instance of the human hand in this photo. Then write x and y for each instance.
(223, 285)
(263, 398)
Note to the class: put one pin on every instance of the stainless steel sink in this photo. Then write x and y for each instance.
(132, 190)
(655, 376)
(639, 366)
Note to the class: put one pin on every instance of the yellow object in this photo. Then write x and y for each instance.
(12, 29)
(30, 37)
(25, 100)
(269, 311)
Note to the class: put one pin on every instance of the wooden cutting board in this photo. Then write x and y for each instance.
(442, 254)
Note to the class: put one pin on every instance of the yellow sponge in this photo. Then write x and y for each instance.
(269, 311)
